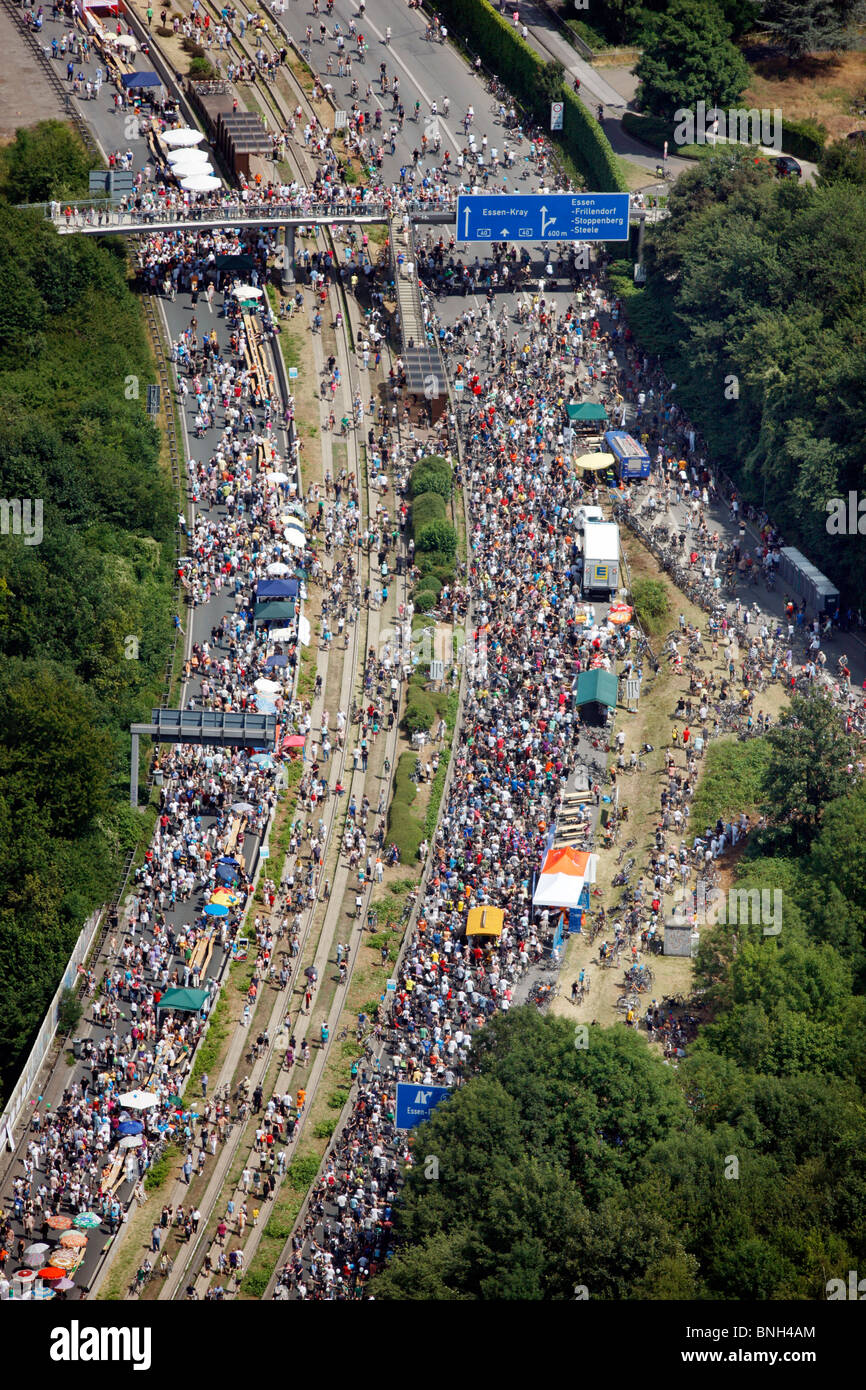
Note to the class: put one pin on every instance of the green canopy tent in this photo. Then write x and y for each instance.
(187, 1001)
(276, 610)
(226, 262)
(586, 412)
(598, 690)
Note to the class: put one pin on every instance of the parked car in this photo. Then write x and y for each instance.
(786, 166)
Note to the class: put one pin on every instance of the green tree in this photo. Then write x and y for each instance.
(689, 57)
(651, 604)
(834, 888)
(807, 769)
(552, 80)
(439, 536)
(843, 162)
(69, 1011)
(812, 26)
(46, 161)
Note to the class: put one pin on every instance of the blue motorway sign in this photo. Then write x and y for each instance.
(543, 217)
(416, 1103)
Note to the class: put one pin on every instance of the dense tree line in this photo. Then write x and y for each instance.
(737, 1175)
(795, 26)
(754, 303)
(85, 612)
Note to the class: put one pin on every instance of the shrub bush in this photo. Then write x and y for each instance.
(419, 714)
(425, 600)
(201, 67)
(426, 507)
(302, 1172)
(432, 583)
(255, 1283)
(437, 535)
(68, 1011)
(432, 474)
(435, 562)
(651, 604)
(804, 139)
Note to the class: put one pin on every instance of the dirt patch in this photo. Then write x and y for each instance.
(824, 87)
(639, 793)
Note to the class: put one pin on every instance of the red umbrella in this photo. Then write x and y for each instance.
(51, 1273)
(59, 1223)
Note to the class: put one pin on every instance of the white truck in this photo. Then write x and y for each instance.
(600, 557)
(586, 514)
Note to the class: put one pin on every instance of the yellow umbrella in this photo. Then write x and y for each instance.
(618, 616)
(225, 898)
(595, 461)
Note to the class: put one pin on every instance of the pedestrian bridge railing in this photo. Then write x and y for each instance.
(97, 218)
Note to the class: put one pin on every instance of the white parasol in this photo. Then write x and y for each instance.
(139, 1100)
(181, 136)
(188, 156)
(201, 183)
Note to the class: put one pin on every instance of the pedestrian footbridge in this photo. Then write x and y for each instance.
(100, 218)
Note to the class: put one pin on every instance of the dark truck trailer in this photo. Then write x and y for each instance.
(807, 582)
(632, 459)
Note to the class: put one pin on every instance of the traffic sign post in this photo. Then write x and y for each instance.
(632, 692)
(416, 1103)
(557, 109)
(543, 217)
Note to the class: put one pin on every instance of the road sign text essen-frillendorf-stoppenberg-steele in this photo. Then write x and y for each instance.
(543, 217)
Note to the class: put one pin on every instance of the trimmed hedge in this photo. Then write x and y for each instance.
(425, 600)
(438, 536)
(420, 713)
(520, 68)
(406, 831)
(435, 562)
(405, 787)
(426, 507)
(802, 139)
(432, 474)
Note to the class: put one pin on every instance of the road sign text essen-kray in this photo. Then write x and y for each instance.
(543, 217)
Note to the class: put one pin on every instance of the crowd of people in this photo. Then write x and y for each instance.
(214, 803)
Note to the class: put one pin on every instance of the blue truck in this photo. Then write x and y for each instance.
(632, 459)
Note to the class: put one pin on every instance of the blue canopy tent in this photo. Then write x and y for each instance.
(134, 81)
(276, 588)
(277, 660)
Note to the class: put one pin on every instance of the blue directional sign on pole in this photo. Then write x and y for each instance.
(416, 1103)
(543, 217)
